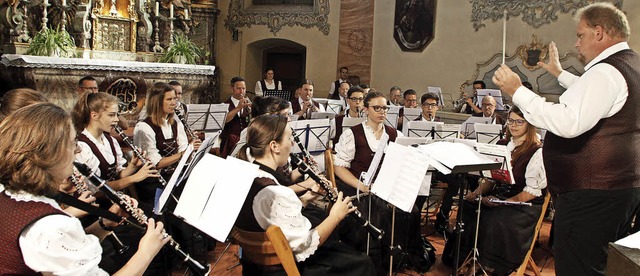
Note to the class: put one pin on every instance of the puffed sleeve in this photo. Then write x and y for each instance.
(536, 178)
(145, 139)
(279, 205)
(345, 149)
(57, 245)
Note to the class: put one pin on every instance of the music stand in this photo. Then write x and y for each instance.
(445, 131)
(438, 91)
(488, 133)
(495, 93)
(335, 106)
(421, 129)
(468, 129)
(349, 122)
(314, 134)
(207, 117)
(282, 94)
(410, 114)
(393, 115)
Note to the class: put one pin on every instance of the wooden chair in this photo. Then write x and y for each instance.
(266, 248)
(329, 168)
(528, 260)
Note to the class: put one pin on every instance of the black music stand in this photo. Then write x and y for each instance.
(282, 94)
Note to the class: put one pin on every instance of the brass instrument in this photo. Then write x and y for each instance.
(136, 151)
(118, 198)
(187, 127)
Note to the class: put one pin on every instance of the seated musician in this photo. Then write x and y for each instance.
(305, 105)
(489, 105)
(355, 96)
(37, 147)
(260, 106)
(506, 231)
(238, 117)
(269, 142)
(429, 103)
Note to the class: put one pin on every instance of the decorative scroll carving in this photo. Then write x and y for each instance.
(532, 53)
(534, 12)
(275, 18)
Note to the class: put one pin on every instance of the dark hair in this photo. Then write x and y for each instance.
(531, 137)
(17, 98)
(429, 95)
(86, 78)
(354, 89)
(174, 83)
(527, 85)
(260, 132)
(268, 105)
(409, 92)
(372, 95)
(269, 69)
(155, 101)
(394, 88)
(481, 83)
(236, 79)
(343, 67)
(364, 86)
(90, 102)
(305, 81)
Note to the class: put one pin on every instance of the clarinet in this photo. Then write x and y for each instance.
(187, 127)
(333, 196)
(118, 198)
(136, 150)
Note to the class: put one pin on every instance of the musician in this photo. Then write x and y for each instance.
(410, 97)
(37, 146)
(502, 248)
(356, 106)
(489, 105)
(394, 96)
(238, 117)
(94, 115)
(342, 93)
(180, 106)
(87, 84)
(344, 73)
(470, 105)
(305, 104)
(429, 103)
(269, 203)
(268, 83)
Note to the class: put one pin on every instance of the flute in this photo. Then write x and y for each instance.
(332, 194)
(136, 151)
(118, 198)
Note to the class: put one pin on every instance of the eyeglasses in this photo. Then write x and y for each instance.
(517, 122)
(380, 108)
(356, 99)
(430, 105)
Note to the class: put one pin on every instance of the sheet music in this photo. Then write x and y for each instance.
(444, 131)
(468, 129)
(216, 117)
(420, 128)
(197, 116)
(335, 106)
(631, 241)
(323, 115)
(411, 114)
(453, 154)
(393, 114)
(495, 93)
(349, 122)
(488, 133)
(166, 193)
(438, 91)
(210, 201)
(410, 141)
(401, 176)
(500, 154)
(314, 134)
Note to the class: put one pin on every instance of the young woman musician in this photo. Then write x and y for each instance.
(268, 203)
(37, 148)
(504, 247)
(94, 115)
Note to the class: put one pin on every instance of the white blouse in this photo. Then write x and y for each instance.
(57, 244)
(145, 138)
(87, 157)
(279, 205)
(535, 175)
(346, 147)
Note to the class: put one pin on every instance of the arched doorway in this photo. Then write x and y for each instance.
(285, 57)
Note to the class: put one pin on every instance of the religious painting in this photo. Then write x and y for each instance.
(414, 24)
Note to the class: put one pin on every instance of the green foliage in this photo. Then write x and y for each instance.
(52, 42)
(182, 47)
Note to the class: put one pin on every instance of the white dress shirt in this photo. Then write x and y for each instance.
(599, 93)
(346, 147)
(332, 88)
(145, 138)
(57, 244)
(270, 86)
(87, 157)
(535, 175)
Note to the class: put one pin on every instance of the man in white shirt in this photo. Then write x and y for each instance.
(395, 93)
(593, 139)
(344, 73)
(305, 104)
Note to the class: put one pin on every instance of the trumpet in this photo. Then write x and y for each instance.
(187, 127)
(118, 198)
(136, 151)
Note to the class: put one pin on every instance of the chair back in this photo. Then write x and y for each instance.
(266, 248)
(528, 260)
(329, 168)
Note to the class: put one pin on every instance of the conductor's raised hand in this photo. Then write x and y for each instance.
(506, 80)
(553, 66)
(342, 207)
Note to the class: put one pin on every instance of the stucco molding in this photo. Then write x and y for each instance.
(534, 12)
(277, 17)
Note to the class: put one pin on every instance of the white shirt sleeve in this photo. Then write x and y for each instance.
(535, 175)
(258, 89)
(183, 141)
(57, 245)
(599, 93)
(279, 85)
(279, 205)
(332, 88)
(119, 156)
(145, 139)
(345, 149)
(86, 156)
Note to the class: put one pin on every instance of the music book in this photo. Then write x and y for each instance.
(494, 93)
(401, 176)
(215, 193)
(410, 114)
(468, 129)
(488, 133)
(449, 157)
(314, 134)
(393, 114)
(502, 155)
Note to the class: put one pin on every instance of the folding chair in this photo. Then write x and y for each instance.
(528, 260)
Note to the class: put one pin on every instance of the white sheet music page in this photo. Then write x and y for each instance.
(393, 114)
(451, 155)
(164, 197)
(197, 116)
(210, 201)
(314, 134)
(500, 154)
(334, 106)
(468, 129)
(217, 115)
(631, 241)
(401, 176)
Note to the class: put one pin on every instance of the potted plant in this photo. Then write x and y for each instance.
(52, 42)
(182, 51)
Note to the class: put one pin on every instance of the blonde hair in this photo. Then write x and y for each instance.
(33, 140)
(155, 100)
(90, 102)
